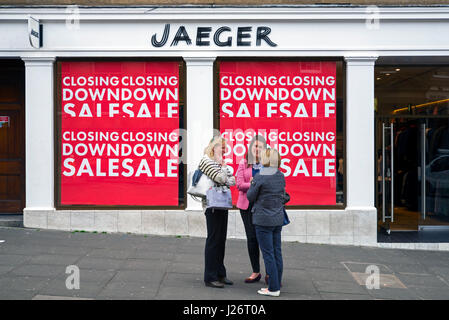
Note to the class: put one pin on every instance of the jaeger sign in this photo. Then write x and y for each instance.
(223, 36)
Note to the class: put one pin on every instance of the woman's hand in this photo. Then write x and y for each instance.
(231, 181)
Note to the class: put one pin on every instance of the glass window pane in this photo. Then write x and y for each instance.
(119, 133)
(297, 108)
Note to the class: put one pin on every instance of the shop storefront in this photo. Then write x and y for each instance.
(412, 117)
(119, 104)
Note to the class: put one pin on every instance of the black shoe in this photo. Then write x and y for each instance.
(226, 281)
(214, 284)
(249, 280)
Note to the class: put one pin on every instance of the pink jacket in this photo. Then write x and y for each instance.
(243, 177)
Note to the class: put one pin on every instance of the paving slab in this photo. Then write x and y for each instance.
(299, 287)
(13, 259)
(329, 274)
(128, 290)
(71, 249)
(431, 293)
(393, 294)
(441, 271)
(182, 280)
(345, 296)
(57, 287)
(186, 267)
(99, 277)
(110, 253)
(16, 295)
(416, 268)
(5, 269)
(22, 283)
(420, 280)
(100, 263)
(140, 276)
(54, 259)
(38, 270)
(339, 287)
(152, 254)
(145, 265)
(173, 293)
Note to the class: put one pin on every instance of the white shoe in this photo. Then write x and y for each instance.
(266, 292)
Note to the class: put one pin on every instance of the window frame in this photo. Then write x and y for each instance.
(182, 199)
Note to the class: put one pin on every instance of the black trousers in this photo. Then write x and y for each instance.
(251, 239)
(214, 251)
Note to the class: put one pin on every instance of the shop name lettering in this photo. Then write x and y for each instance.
(222, 37)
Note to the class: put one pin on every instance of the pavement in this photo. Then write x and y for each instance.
(33, 265)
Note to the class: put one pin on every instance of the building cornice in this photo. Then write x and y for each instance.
(183, 14)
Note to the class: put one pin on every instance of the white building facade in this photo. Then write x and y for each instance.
(356, 38)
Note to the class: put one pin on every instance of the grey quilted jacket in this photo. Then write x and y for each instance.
(267, 194)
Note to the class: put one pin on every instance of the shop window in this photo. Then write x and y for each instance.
(118, 134)
(297, 107)
(412, 145)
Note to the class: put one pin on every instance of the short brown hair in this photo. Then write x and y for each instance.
(271, 158)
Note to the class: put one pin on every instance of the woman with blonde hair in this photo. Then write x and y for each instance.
(212, 165)
(267, 193)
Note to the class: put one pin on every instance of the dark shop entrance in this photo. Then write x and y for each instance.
(412, 151)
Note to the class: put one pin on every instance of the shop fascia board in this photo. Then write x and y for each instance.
(181, 14)
(284, 52)
(101, 53)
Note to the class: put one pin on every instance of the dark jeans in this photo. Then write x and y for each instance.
(251, 239)
(270, 244)
(214, 252)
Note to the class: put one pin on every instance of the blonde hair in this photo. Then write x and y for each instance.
(213, 142)
(271, 158)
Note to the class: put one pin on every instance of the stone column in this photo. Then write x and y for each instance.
(200, 103)
(360, 161)
(39, 140)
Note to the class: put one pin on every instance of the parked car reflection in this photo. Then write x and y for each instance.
(437, 184)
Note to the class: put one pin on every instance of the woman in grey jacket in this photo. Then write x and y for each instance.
(267, 192)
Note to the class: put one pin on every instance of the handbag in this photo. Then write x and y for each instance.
(286, 197)
(219, 198)
(285, 200)
(286, 219)
(200, 184)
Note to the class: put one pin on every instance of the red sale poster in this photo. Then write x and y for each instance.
(293, 106)
(119, 133)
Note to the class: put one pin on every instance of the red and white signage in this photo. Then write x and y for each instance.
(119, 133)
(4, 121)
(293, 105)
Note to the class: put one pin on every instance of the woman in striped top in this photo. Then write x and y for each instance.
(213, 166)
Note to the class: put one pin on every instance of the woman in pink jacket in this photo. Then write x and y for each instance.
(248, 168)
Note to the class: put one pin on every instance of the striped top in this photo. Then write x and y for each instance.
(221, 175)
(213, 170)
